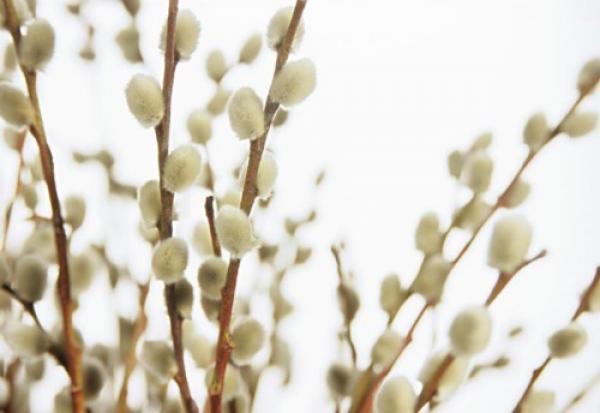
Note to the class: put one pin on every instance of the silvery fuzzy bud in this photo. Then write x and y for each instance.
(538, 401)
(216, 105)
(172, 406)
(187, 32)
(452, 378)
(482, 142)
(4, 269)
(94, 377)
(349, 301)
(234, 230)
(340, 380)
(211, 277)
(536, 131)
(199, 126)
(37, 44)
(128, 40)
(25, 340)
(216, 66)
(294, 82)
(30, 277)
(396, 396)
(145, 100)
(431, 278)
(589, 75)
(517, 194)
(158, 360)
(385, 348)
(149, 201)
(250, 49)
(579, 124)
(246, 114)
(29, 196)
(41, 242)
(510, 242)
(211, 308)
(184, 298)
(170, 259)
(15, 106)
(391, 295)
(201, 350)
(567, 341)
(201, 240)
(232, 197)
(248, 337)
(470, 331)
(456, 160)
(472, 215)
(81, 269)
(266, 174)
(477, 171)
(75, 211)
(280, 117)
(232, 383)
(428, 237)
(278, 27)
(182, 167)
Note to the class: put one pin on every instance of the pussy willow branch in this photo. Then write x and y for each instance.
(249, 193)
(166, 216)
(73, 351)
(581, 308)
(579, 396)
(430, 387)
(18, 187)
(210, 217)
(138, 329)
(342, 290)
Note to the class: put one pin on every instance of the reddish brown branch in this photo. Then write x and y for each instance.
(18, 187)
(344, 294)
(210, 216)
(248, 196)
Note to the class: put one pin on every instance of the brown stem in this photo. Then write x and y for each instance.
(11, 375)
(73, 351)
(138, 329)
(534, 376)
(248, 196)
(210, 216)
(344, 292)
(18, 186)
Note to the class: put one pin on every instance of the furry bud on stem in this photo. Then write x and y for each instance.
(158, 359)
(593, 299)
(25, 340)
(340, 380)
(536, 131)
(580, 124)
(184, 298)
(246, 114)
(452, 377)
(278, 27)
(248, 337)
(216, 66)
(428, 237)
(199, 347)
(145, 100)
(234, 230)
(470, 331)
(391, 295)
(431, 278)
(149, 201)
(199, 126)
(477, 171)
(128, 40)
(567, 341)
(37, 44)
(517, 194)
(75, 211)
(15, 107)
(396, 396)
(187, 32)
(294, 82)
(94, 378)
(211, 277)
(216, 105)
(182, 167)
(510, 242)
(232, 383)
(589, 75)
(538, 401)
(250, 49)
(201, 240)
(385, 348)
(30, 278)
(170, 259)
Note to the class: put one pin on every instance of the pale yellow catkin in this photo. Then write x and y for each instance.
(25, 340)
(246, 115)
(431, 278)
(428, 236)
(170, 259)
(201, 240)
(391, 295)
(94, 377)
(184, 298)
(539, 401)
(248, 337)
(30, 277)
(536, 131)
(187, 32)
(517, 194)
(568, 341)
(452, 378)
(589, 75)
(250, 49)
(385, 348)
(580, 124)
(509, 244)
(216, 65)
(234, 230)
(37, 44)
(158, 359)
(232, 383)
(218, 102)
(75, 210)
(145, 100)
(182, 167)
(294, 82)
(340, 380)
(211, 277)
(15, 106)
(199, 126)
(470, 331)
(199, 347)
(278, 27)
(396, 396)
(477, 171)
(82, 268)
(149, 201)
(128, 41)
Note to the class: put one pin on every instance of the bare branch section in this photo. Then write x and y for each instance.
(210, 216)
(249, 194)
(73, 352)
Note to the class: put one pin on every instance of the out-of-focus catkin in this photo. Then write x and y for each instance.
(158, 359)
(30, 277)
(385, 348)
(428, 237)
(216, 65)
(248, 337)
(510, 242)
(471, 330)
(396, 396)
(250, 49)
(536, 131)
(15, 106)
(211, 277)
(278, 27)
(580, 124)
(37, 44)
(568, 341)
(477, 171)
(149, 201)
(199, 126)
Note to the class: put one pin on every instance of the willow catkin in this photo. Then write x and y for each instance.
(536, 131)
(538, 401)
(278, 27)
(75, 210)
(234, 230)
(248, 337)
(199, 347)
(340, 380)
(128, 40)
(396, 396)
(218, 102)
(567, 341)
(15, 107)
(431, 278)
(35, 369)
(510, 242)
(250, 49)
(211, 277)
(428, 236)
(30, 277)
(201, 239)
(391, 295)
(25, 340)
(199, 126)
(470, 331)
(246, 115)
(579, 124)
(216, 66)
(232, 384)
(81, 268)
(187, 32)
(170, 259)
(182, 167)
(94, 377)
(145, 100)
(517, 194)
(158, 360)
(184, 298)
(266, 174)
(452, 378)
(477, 171)
(472, 215)
(232, 197)
(29, 195)
(37, 44)
(211, 308)
(456, 160)
(149, 201)
(481, 142)
(385, 348)
(294, 82)
(589, 75)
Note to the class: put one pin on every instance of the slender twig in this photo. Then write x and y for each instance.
(166, 216)
(18, 188)
(579, 396)
(11, 373)
(249, 193)
(210, 216)
(344, 292)
(138, 329)
(73, 351)
(581, 308)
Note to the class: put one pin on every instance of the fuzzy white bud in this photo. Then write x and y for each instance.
(340, 380)
(211, 277)
(199, 125)
(128, 40)
(201, 350)
(396, 396)
(250, 49)
(391, 295)
(30, 278)
(234, 230)
(145, 100)
(278, 27)
(211, 308)
(385, 348)
(477, 171)
(216, 105)
(452, 378)
(149, 201)
(15, 107)
(431, 278)
(538, 401)
(471, 330)
(294, 82)
(232, 197)
(75, 211)
(536, 131)
(37, 44)
(158, 360)
(510, 242)
(517, 194)
(187, 32)
(428, 237)
(170, 259)
(25, 340)
(589, 75)
(216, 66)
(266, 175)
(201, 240)
(472, 214)
(184, 298)
(567, 341)
(30, 196)
(248, 337)
(246, 114)
(182, 167)
(580, 124)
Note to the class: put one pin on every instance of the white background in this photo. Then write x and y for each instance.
(400, 85)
